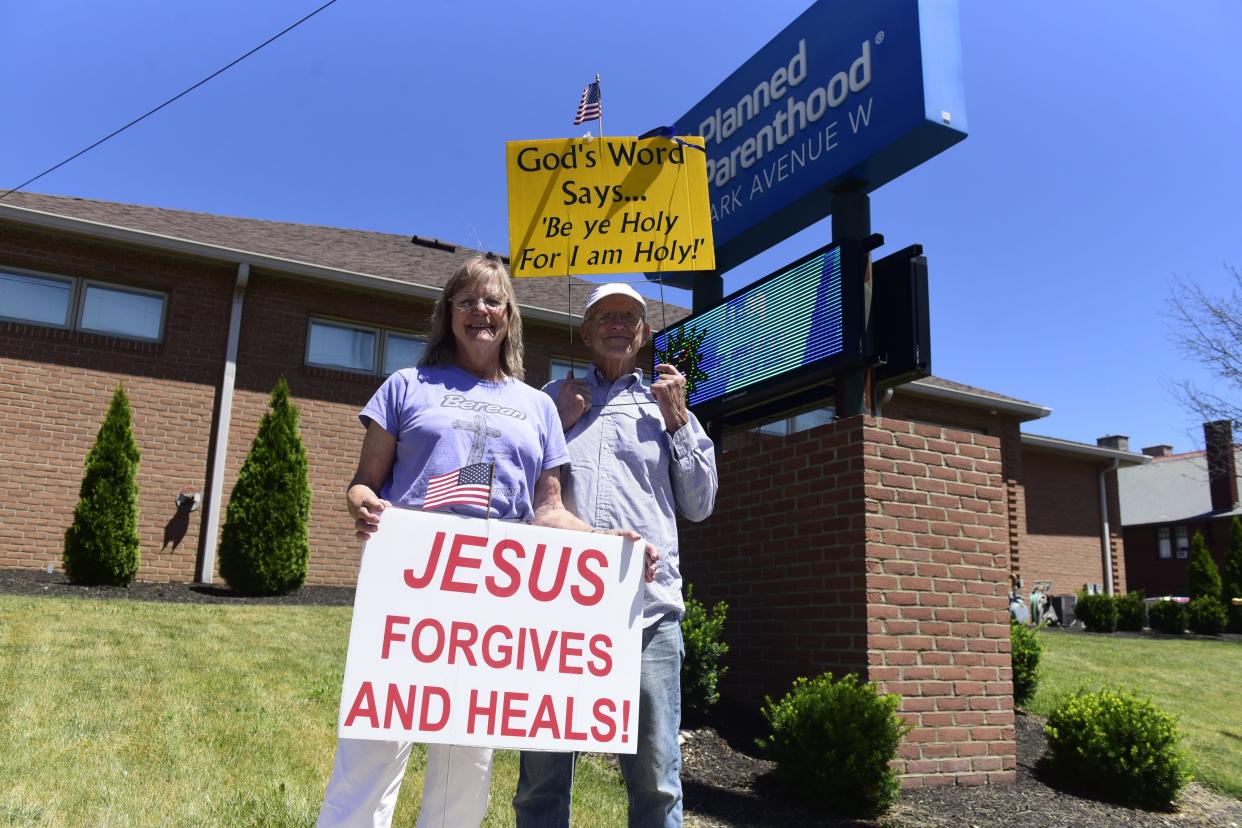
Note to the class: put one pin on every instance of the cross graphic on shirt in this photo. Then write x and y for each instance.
(481, 432)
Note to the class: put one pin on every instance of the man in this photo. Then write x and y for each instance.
(637, 458)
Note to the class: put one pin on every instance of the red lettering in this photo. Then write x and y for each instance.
(503, 652)
(567, 650)
(457, 560)
(590, 600)
(405, 712)
(498, 558)
(599, 645)
(417, 637)
(364, 706)
(605, 719)
(510, 712)
(389, 635)
(487, 709)
(424, 579)
(545, 719)
(462, 636)
(570, 733)
(424, 717)
(521, 657)
(548, 594)
(542, 658)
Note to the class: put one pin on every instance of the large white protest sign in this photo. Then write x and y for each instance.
(490, 633)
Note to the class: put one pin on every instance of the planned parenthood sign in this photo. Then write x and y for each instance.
(850, 93)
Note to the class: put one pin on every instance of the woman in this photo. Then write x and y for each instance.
(465, 403)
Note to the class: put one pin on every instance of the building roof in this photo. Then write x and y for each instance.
(383, 261)
(938, 388)
(1169, 489)
(1055, 445)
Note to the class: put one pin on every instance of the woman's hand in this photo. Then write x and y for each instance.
(365, 507)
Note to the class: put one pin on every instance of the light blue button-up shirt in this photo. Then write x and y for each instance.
(627, 472)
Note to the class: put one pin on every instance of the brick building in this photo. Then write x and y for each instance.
(878, 544)
(1165, 503)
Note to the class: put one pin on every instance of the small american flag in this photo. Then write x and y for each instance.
(470, 484)
(588, 106)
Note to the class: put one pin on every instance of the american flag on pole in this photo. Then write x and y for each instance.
(588, 106)
(470, 484)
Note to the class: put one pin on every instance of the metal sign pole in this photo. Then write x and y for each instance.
(851, 228)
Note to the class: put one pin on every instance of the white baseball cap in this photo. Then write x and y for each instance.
(614, 289)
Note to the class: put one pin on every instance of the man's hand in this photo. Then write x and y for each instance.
(669, 390)
(653, 554)
(572, 401)
(365, 507)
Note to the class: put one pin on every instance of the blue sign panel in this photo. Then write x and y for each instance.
(789, 320)
(849, 94)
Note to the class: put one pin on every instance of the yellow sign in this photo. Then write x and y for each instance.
(608, 205)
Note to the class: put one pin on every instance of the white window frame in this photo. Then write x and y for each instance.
(582, 366)
(383, 347)
(70, 309)
(379, 354)
(80, 308)
(353, 326)
(1164, 542)
(1180, 533)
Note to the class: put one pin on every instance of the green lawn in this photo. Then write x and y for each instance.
(1199, 681)
(120, 713)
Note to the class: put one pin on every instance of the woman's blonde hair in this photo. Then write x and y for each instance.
(442, 347)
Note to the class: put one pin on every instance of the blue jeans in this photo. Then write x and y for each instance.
(652, 775)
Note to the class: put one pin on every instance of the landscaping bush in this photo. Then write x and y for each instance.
(264, 544)
(702, 671)
(1098, 613)
(1117, 746)
(102, 544)
(1202, 576)
(1232, 578)
(1132, 611)
(832, 744)
(1167, 617)
(1206, 616)
(1025, 651)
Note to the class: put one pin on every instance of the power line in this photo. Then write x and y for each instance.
(180, 94)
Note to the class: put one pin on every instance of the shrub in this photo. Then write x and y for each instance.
(1232, 578)
(1202, 576)
(1025, 651)
(832, 744)
(264, 544)
(702, 671)
(1117, 746)
(1132, 611)
(1206, 616)
(1167, 617)
(102, 544)
(1098, 613)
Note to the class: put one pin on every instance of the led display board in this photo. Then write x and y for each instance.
(850, 92)
(781, 329)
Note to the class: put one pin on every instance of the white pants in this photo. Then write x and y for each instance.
(366, 776)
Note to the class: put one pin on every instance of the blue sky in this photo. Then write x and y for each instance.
(1102, 159)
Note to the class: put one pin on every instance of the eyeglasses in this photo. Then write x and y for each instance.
(468, 301)
(626, 318)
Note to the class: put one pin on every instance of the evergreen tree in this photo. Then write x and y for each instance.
(102, 544)
(264, 545)
(1233, 578)
(1202, 576)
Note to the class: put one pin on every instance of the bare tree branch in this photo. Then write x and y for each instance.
(1208, 329)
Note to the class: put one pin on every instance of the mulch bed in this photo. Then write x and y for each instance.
(727, 784)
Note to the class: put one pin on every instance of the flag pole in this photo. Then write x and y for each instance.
(600, 119)
(491, 476)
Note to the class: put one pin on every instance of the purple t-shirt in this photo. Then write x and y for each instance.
(444, 418)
